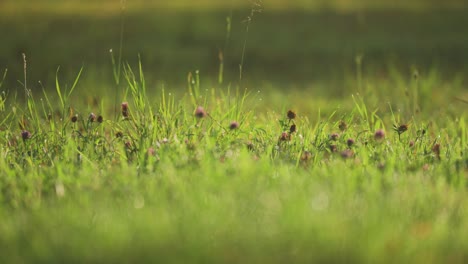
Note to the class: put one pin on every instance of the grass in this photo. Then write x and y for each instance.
(159, 182)
(174, 42)
(137, 171)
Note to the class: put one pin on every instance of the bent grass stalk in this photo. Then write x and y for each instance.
(256, 7)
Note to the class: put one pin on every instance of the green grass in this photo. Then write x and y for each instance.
(103, 163)
(174, 187)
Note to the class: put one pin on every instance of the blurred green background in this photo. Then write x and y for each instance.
(290, 43)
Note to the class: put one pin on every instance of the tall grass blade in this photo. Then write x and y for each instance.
(76, 81)
(57, 88)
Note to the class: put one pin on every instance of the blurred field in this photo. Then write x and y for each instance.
(106, 7)
(298, 43)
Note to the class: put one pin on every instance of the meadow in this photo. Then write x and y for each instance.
(180, 133)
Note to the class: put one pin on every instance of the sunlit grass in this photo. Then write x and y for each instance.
(170, 178)
(372, 168)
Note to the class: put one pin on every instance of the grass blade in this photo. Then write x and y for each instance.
(76, 81)
(57, 87)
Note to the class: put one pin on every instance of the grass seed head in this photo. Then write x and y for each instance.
(234, 125)
(379, 135)
(200, 112)
(292, 129)
(125, 110)
(291, 114)
(25, 135)
(342, 126)
(128, 145)
(347, 153)
(285, 136)
(306, 155)
(74, 118)
(250, 146)
(436, 150)
(92, 117)
(334, 136)
(151, 151)
(401, 128)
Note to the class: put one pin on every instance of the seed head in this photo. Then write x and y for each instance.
(74, 118)
(379, 135)
(125, 110)
(333, 148)
(291, 114)
(151, 151)
(25, 135)
(411, 144)
(292, 129)
(128, 145)
(250, 146)
(347, 153)
(234, 125)
(306, 155)
(285, 136)
(334, 136)
(436, 150)
(200, 112)
(350, 142)
(100, 119)
(342, 126)
(401, 128)
(92, 117)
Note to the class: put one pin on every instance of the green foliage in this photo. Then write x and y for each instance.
(160, 182)
(133, 171)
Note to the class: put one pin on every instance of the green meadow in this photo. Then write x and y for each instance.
(233, 132)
